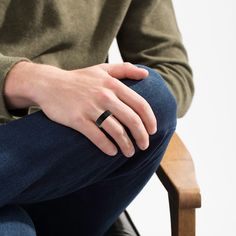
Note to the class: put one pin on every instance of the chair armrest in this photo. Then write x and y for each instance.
(177, 174)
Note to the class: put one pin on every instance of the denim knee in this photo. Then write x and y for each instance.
(14, 221)
(158, 95)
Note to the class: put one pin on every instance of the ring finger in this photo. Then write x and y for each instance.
(116, 130)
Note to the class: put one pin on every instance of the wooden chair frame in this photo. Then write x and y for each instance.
(177, 174)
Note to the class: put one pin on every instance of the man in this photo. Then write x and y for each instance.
(68, 166)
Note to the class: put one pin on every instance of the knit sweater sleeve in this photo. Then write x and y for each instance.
(150, 35)
(6, 63)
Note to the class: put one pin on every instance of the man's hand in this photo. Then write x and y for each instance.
(77, 98)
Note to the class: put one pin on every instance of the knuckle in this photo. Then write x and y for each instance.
(143, 105)
(127, 64)
(143, 108)
(146, 110)
(135, 121)
(119, 133)
(104, 96)
(101, 142)
(143, 137)
(128, 145)
(110, 83)
(103, 66)
(78, 120)
(99, 139)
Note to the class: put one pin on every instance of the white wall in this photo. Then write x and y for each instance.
(208, 129)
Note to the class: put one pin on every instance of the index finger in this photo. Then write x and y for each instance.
(125, 70)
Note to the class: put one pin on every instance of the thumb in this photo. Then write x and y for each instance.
(125, 70)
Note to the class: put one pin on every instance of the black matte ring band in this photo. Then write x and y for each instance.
(102, 117)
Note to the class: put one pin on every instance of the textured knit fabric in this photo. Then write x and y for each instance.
(74, 34)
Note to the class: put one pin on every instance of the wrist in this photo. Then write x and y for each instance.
(17, 89)
(27, 84)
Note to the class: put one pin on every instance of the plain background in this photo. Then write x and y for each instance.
(208, 130)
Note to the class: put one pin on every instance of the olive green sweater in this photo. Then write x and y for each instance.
(74, 34)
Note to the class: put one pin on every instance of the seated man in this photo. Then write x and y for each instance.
(100, 130)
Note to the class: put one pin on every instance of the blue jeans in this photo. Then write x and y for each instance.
(54, 176)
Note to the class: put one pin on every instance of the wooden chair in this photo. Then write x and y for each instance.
(177, 174)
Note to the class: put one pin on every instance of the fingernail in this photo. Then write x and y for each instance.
(130, 154)
(144, 147)
(154, 131)
(113, 152)
(146, 71)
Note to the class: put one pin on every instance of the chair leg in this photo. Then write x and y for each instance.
(182, 220)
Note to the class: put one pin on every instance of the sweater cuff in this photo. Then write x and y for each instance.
(6, 64)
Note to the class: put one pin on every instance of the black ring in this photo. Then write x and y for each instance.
(102, 117)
